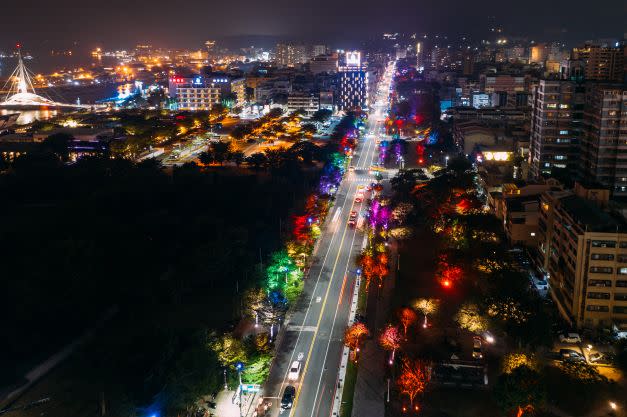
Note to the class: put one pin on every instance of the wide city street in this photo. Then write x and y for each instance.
(315, 330)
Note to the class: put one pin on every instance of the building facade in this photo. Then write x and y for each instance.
(354, 83)
(194, 93)
(309, 103)
(604, 144)
(556, 126)
(584, 252)
(290, 55)
(601, 63)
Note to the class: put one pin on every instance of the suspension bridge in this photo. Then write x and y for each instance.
(22, 95)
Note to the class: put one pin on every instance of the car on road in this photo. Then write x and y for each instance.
(288, 397)
(352, 219)
(597, 357)
(568, 337)
(351, 168)
(569, 355)
(358, 200)
(294, 371)
(477, 353)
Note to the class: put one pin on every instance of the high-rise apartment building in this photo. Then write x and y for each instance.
(556, 126)
(604, 143)
(538, 54)
(317, 50)
(354, 82)
(420, 63)
(583, 249)
(290, 55)
(601, 63)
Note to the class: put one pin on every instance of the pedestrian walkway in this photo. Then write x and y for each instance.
(227, 404)
(371, 385)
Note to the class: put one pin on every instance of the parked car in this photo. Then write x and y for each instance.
(288, 397)
(477, 353)
(570, 337)
(569, 355)
(596, 357)
(294, 371)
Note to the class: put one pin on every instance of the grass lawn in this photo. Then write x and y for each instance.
(346, 408)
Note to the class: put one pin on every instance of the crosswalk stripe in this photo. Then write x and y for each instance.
(295, 328)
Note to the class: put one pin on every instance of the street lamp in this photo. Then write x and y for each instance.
(240, 366)
(446, 160)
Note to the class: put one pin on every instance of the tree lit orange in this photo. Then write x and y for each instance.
(407, 317)
(415, 375)
(354, 336)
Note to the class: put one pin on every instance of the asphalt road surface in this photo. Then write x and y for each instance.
(316, 328)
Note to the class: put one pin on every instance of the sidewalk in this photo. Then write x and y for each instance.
(228, 406)
(371, 386)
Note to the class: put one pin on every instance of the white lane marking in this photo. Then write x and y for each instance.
(334, 234)
(337, 213)
(337, 308)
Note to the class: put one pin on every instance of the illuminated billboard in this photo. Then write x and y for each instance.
(353, 59)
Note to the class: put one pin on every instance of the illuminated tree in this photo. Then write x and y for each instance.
(262, 343)
(390, 339)
(508, 310)
(415, 375)
(401, 233)
(354, 336)
(407, 317)
(401, 211)
(426, 306)
(515, 360)
(228, 349)
(273, 308)
(278, 271)
(253, 302)
(520, 392)
(582, 371)
(468, 317)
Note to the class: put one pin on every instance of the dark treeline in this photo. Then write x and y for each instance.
(170, 250)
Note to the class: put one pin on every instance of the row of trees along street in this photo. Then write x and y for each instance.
(175, 251)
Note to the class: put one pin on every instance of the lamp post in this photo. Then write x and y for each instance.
(446, 160)
(240, 366)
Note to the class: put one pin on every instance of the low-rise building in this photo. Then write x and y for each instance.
(194, 92)
(310, 103)
(324, 64)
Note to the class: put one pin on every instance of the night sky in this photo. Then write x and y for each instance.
(123, 23)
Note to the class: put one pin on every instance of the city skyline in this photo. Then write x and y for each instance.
(123, 24)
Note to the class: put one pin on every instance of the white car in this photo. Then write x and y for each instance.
(570, 338)
(294, 371)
